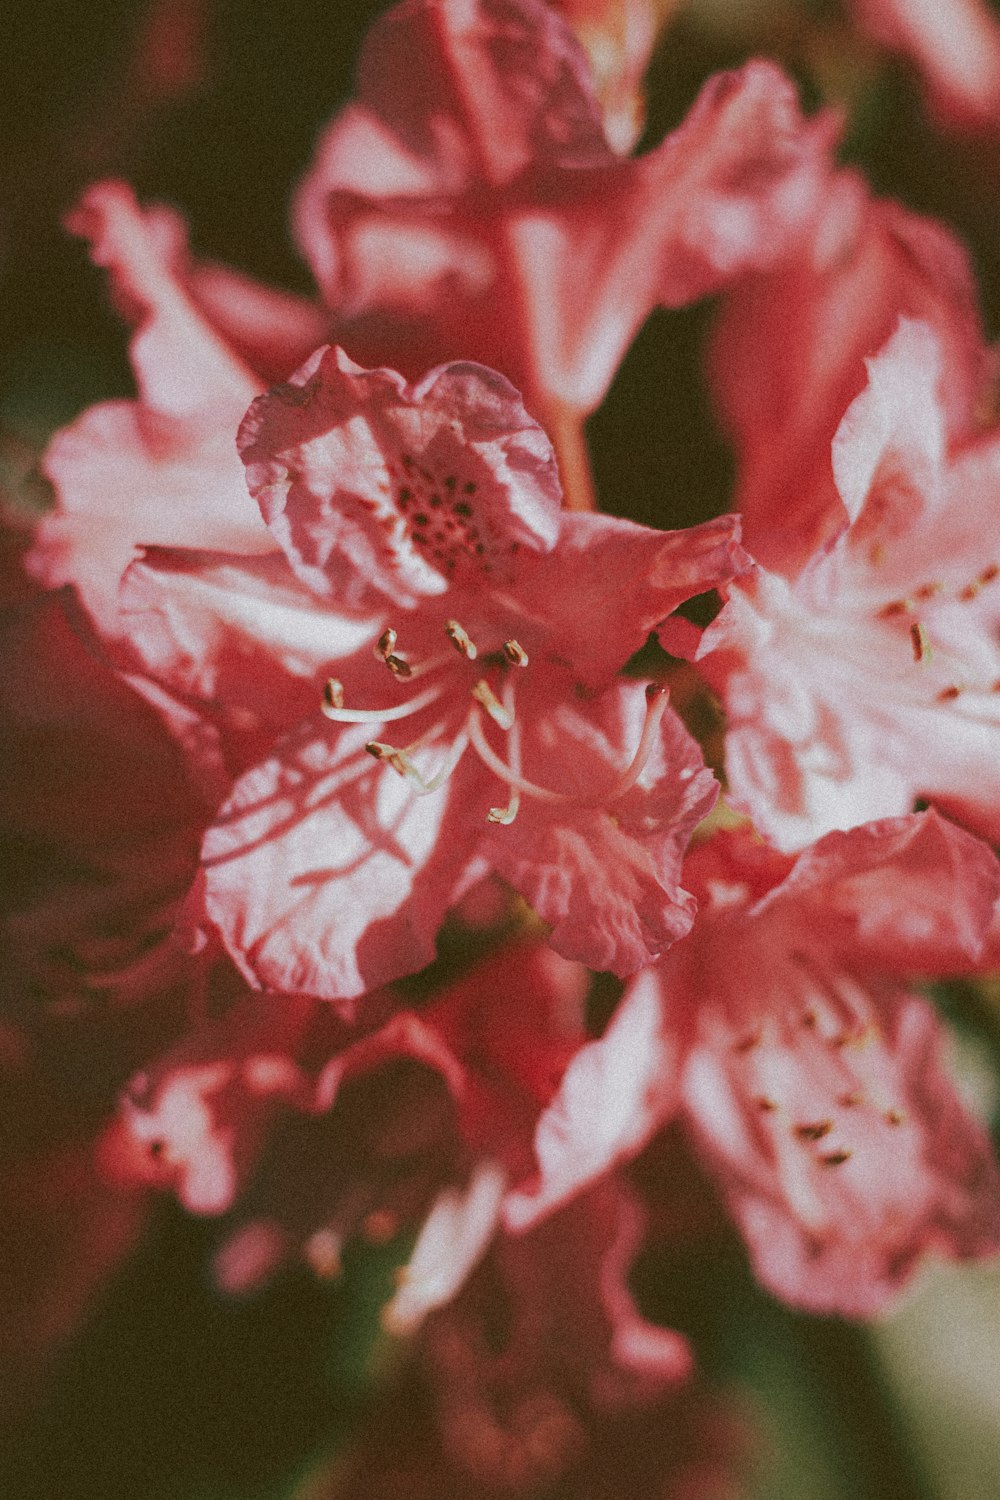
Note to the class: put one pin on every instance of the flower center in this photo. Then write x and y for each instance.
(486, 703)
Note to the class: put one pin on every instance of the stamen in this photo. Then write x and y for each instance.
(461, 640)
(515, 653)
(340, 715)
(506, 815)
(484, 694)
(656, 697)
(921, 645)
(386, 643)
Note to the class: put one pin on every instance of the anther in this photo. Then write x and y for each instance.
(921, 645)
(503, 815)
(461, 640)
(333, 693)
(386, 643)
(398, 666)
(515, 653)
(765, 1105)
(397, 759)
(894, 1117)
(484, 695)
(949, 694)
(381, 751)
(835, 1158)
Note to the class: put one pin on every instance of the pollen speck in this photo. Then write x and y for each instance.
(921, 645)
(815, 1131)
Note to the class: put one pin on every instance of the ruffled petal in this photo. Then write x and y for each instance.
(369, 484)
(163, 469)
(610, 582)
(912, 895)
(481, 212)
(606, 877)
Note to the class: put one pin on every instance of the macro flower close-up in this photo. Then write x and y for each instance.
(500, 627)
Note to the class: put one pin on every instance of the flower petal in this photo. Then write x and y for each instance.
(370, 484)
(615, 1093)
(162, 469)
(324, 874)
(238, 635)
(606, 878)
(863, 1160)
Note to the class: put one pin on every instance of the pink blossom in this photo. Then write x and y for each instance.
(425, 521)
(806, 329)
(308, 1132)
(807, 1070)
(468, 204)
(542, 1379)
(871, 679)
(955, 46)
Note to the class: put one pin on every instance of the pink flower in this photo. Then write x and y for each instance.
(954, 44)
(872, 678)
(786, 1033)
(307, 1132)
(806, 329)
(542, 1379)
(468, 204)
(425, 521)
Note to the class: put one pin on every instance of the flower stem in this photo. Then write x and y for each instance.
(564, 425)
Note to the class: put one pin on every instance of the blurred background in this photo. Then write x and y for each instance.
(168, 1389)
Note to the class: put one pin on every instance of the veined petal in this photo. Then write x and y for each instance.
(324, 875)
(871, 678)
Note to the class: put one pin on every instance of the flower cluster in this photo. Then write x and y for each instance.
(347, 657)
